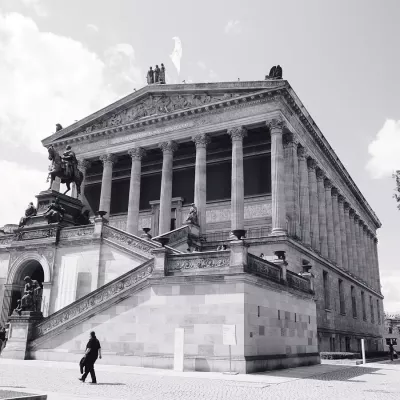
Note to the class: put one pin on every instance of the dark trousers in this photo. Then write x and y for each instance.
(89, 368)
(391, 356)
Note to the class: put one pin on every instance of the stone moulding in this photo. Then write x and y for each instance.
(6, 240)
(176, 236)
(94, 299)
(128, 241)
(258, 266)
(68, 233)
(297, 282)
(37, 234)
(198, 261)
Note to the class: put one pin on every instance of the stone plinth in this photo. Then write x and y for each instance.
(20, 333)
(73, 208)
(238, 254)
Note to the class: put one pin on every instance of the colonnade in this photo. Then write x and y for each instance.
(305, 203)
(325, 219)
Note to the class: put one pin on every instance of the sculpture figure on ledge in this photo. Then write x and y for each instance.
(275, 73)
(55, 212)
(192, 218)
(65, 168)
(29, 212)
(58, 127)
(31, 299)
(83, 218)
(162, 74)
(157, 72)
(150, 76)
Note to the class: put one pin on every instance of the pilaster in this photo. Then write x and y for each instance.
(348, 237)
(329, 220)
(343, 237)
(336, 227)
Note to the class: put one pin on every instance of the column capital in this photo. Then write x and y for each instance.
(328, 184)
(360, 222)
(356, 217)
(275, 125)
(290, 140)
(201, 140)
(137, 153)
(365, 228)
(108, 158)
(320, 175)
(375, 240)
(346, 207)
(83, 164)
(341, 198)
(311, 164)
(335, 191)
(168, 147)
(302, 153)
(351, 213)
(237, 133)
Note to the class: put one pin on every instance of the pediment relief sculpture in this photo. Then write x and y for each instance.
(159, 105)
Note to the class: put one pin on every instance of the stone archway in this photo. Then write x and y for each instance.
(29, 264)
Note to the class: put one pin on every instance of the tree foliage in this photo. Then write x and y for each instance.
(396, 176)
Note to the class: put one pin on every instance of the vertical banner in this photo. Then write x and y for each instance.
(178, 349)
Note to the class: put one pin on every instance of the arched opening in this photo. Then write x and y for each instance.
(31, 268)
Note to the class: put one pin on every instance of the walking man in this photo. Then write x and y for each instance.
(93, 350)
(391, 351)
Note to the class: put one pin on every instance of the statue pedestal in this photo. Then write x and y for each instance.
(19, 334)
(73, 208)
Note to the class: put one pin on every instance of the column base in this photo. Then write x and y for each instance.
(278, 232)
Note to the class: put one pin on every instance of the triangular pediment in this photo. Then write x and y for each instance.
(159, 101)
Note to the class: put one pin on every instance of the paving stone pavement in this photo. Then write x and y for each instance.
(375, 381)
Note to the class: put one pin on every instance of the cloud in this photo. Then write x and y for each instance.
(201, 64)
(37, 6)
(93, 28)
(233, 27)
(23, 184)
(385, 151)
(176, 54)
(46, 79)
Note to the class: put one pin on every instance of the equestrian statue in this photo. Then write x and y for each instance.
(65, 167)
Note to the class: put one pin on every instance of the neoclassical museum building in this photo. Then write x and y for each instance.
(283, 246)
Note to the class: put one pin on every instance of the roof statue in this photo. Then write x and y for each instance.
(275, 72)
(157, 75)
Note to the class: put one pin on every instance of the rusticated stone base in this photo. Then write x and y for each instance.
(19, 334)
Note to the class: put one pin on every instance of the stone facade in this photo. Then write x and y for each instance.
(250, 157)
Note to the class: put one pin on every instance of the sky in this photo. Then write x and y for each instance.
(62, 60)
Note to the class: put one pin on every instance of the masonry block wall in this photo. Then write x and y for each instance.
(140, 329)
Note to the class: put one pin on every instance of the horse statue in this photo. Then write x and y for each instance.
(65, 168)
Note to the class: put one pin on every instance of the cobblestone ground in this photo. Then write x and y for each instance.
(324, 382)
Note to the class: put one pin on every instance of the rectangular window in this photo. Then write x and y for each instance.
(341, 298)
(371, 308)
(353, 302)
(326, 291)
(364, 312)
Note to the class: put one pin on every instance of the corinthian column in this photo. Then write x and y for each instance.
(313, 191)
(343, 237)
(106, 182)
(348, 237)
(336, 227)
(353, 243)
(168, 149)
(277, 178)
(237, 135)
(83, 166)
(292, 184)
(360, 250)
(323, 234)
(367, 256)
(305, 221)
(132, 223)
(329, 220)
(356, 249)
(200, 179)
(377, 273)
